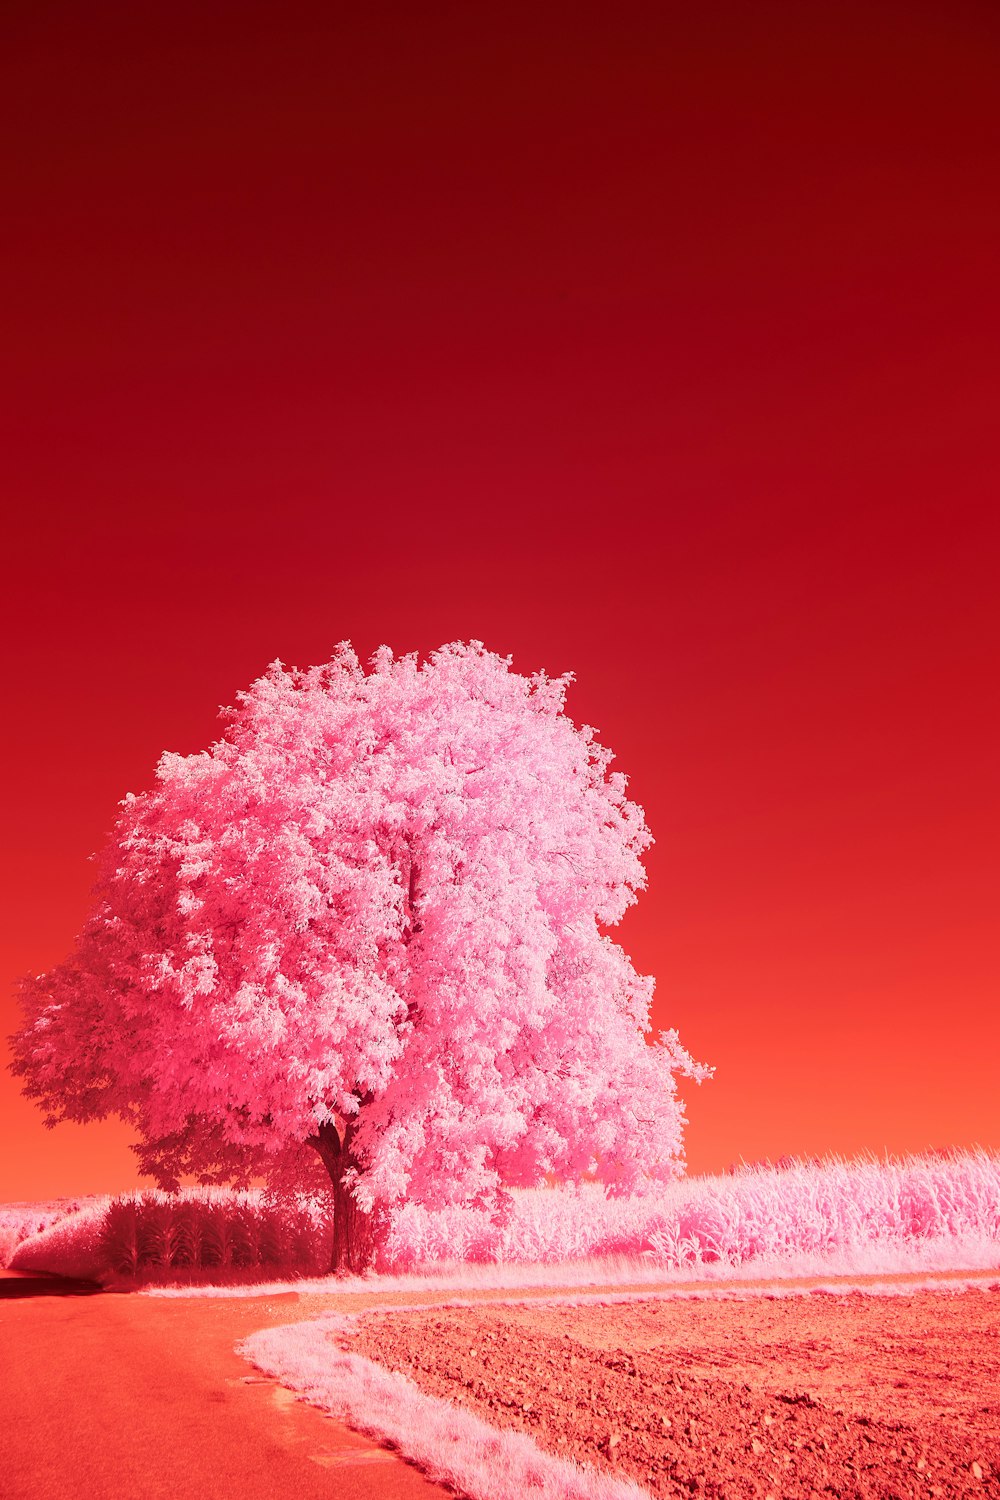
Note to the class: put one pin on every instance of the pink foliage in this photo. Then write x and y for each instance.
(199, 1234)
(377, 904)
(835, 1217)
(208, 1233)
(863, 1215)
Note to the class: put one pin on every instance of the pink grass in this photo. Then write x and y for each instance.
(869, 1217)
(453, 1447)
(69, 1245)
(869, 1214)
(21, 1221)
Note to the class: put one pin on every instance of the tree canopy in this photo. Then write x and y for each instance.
(370, 921)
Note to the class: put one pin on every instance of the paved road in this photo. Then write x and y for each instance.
(123, 1397)
(118, 1397)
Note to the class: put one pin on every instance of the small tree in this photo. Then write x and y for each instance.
(367, 924)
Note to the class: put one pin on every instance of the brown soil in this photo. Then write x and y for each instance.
(847, 1395)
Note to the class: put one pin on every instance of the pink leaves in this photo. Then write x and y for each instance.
(385, 887)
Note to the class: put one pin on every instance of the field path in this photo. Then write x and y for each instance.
(119, 1397)
(126, 1397)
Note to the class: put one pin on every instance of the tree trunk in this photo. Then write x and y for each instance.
(353, 1230)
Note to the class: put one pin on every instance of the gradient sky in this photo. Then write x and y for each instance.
(655, 344)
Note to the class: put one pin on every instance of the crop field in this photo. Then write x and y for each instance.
(815, 1328)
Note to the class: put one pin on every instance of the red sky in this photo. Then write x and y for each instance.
(656, 344)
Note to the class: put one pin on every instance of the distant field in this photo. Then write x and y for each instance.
(934, 1212)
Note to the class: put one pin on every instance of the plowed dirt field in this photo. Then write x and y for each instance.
(847, 1395)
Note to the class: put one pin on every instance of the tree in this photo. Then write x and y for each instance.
(367, 924)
